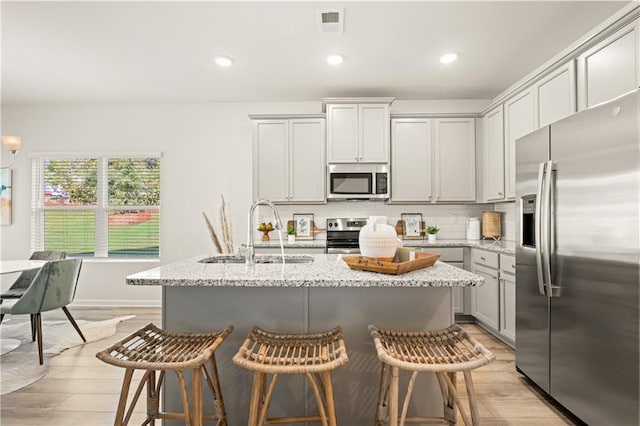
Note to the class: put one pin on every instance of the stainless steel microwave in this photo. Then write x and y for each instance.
(357, 181)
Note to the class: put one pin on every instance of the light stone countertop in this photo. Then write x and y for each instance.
(506, 247)
(275, 243)
(324, 271)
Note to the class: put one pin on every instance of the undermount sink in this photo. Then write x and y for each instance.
(262, 259)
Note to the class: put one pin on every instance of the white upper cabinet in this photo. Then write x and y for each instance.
(307, 165)
(270, 152)
(289, 160)
(374, 132)
(494, 154)
(519, 120)
(455, 159)
(555, 95)
(358, 133)
(610, 68)
(342, 133)
(411, 159)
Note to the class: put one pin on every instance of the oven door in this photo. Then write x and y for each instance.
(350, 185)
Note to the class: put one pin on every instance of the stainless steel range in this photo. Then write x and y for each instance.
(342, 235)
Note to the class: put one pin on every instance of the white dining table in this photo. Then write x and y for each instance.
(13, 266)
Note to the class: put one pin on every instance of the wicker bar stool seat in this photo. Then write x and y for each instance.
(443, 352)
(153, 349)
(313, 354)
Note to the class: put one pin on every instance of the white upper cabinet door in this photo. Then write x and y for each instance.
(519, 120)
(494, 152)
(270, 153)
(610, 68)
(411, 159)
(373, 133)
(342, 133)
(307, 160)
(555, 95)
(455, 159)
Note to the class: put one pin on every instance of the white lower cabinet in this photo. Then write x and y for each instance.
(493, 304)
(486, 297)
(508, 306)
(457, 293)
(508, 297)
(453, 256)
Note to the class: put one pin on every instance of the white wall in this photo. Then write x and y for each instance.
(206, 151)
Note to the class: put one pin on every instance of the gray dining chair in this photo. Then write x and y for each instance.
(53, 287)
(20, 285)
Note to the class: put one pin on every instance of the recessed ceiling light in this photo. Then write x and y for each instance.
(224, 61)
(448, 58)
(335, 59)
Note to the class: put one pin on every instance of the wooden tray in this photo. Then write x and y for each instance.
(362, 263)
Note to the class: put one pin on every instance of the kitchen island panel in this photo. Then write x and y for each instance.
(200, 309)
(301, 310)
(356, 385)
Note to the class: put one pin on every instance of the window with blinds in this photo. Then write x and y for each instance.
(97, 206)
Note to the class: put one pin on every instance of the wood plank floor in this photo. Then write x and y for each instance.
(79, 389)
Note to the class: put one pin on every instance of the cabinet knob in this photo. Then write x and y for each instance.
(500, 194)
(482, 258)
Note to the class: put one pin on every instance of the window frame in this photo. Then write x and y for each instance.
(101, 208)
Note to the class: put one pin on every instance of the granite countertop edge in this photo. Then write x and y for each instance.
(327, 271)
(505, 247)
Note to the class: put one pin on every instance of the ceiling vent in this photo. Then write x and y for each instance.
(331, 21)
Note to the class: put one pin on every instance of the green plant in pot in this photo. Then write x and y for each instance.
(432, 230)
(291, 233)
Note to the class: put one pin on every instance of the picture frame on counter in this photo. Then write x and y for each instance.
(303, 223)
(412, 226)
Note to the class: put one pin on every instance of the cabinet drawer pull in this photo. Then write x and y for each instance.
(513, 266)
(483, 259)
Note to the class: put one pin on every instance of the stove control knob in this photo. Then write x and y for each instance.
(330, 224)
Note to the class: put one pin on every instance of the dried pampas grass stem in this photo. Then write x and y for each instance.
(225, 244)
(212, 232)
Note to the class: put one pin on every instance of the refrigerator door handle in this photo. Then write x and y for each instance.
(546, 228)
(538, 229)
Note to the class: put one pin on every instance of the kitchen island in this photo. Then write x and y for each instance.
(301, 297)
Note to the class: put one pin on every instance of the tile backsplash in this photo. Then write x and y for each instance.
(451, 219)
(508, 224)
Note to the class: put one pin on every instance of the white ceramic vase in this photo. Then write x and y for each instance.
(432, 238)
(378, 239)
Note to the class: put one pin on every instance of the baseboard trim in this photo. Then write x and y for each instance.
(116, 303)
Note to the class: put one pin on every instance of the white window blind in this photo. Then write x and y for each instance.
(102, 206)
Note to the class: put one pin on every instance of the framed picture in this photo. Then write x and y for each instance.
(5, 197)
(303, 222)
(412, 226)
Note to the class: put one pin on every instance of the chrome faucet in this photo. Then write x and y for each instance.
(251, 254)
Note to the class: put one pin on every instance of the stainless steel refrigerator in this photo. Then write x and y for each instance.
(577, 257)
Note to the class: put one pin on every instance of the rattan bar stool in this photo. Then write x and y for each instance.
(443, 352)
(153, 349)
(313, 354)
